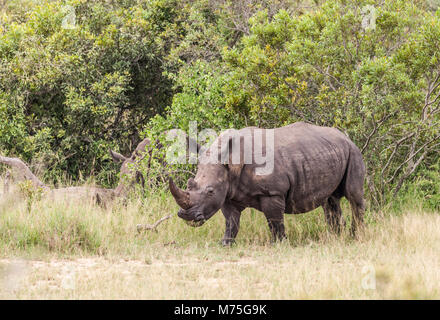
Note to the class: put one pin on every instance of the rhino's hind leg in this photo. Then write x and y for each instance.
(354, 190)
(273, 209)
(333, 214)
(358, 209)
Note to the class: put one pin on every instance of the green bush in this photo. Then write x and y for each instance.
(136, 68)
(68, 94)
(379, 85)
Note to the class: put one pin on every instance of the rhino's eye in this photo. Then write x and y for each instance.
(209, 190)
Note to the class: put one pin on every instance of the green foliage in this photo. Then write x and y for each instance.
(136, 68)
(427, 187)
(30, 192)
(200, 99)
(379, 85)
(71, 93)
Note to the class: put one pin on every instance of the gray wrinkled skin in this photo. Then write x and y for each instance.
(313, 166)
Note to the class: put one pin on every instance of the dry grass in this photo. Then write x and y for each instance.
(72, 250)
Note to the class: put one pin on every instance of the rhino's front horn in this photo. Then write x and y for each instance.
(181, 197)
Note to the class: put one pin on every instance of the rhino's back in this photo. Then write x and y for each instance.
(301, 133)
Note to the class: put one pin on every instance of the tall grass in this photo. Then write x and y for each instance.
(66, 226)
(113, 260)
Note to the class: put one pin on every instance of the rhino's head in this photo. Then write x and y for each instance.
(215, 179)
(204, 195)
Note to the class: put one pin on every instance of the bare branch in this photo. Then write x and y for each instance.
(412, 155)
(376, 126)
(328, 75)
(406, 175)
(142, 227)
(398, 143)
(432, 86)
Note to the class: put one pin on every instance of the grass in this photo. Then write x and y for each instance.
(76, 250)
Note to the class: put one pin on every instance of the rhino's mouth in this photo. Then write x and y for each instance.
(200, 219)
(194, 218)
(195, 223)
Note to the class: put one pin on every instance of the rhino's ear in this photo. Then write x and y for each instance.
(117, 157)
(231, 154)
(234, 169)
(141, 149)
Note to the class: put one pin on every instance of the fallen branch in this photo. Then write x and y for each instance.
(23, 169)
(142, 227)
(100, 195)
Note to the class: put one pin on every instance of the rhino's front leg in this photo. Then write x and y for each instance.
(273, 208)
(232, 215)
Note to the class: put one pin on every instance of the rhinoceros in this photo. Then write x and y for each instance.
(312, 166)
(129, 165)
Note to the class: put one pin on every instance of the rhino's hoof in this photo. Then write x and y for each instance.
(228, 242)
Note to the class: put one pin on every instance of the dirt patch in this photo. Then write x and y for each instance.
(55, 276)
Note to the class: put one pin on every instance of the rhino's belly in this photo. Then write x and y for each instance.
(297, 207)
(301, 200)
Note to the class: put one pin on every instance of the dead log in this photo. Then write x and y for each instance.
(23, 170)
(99, 195)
